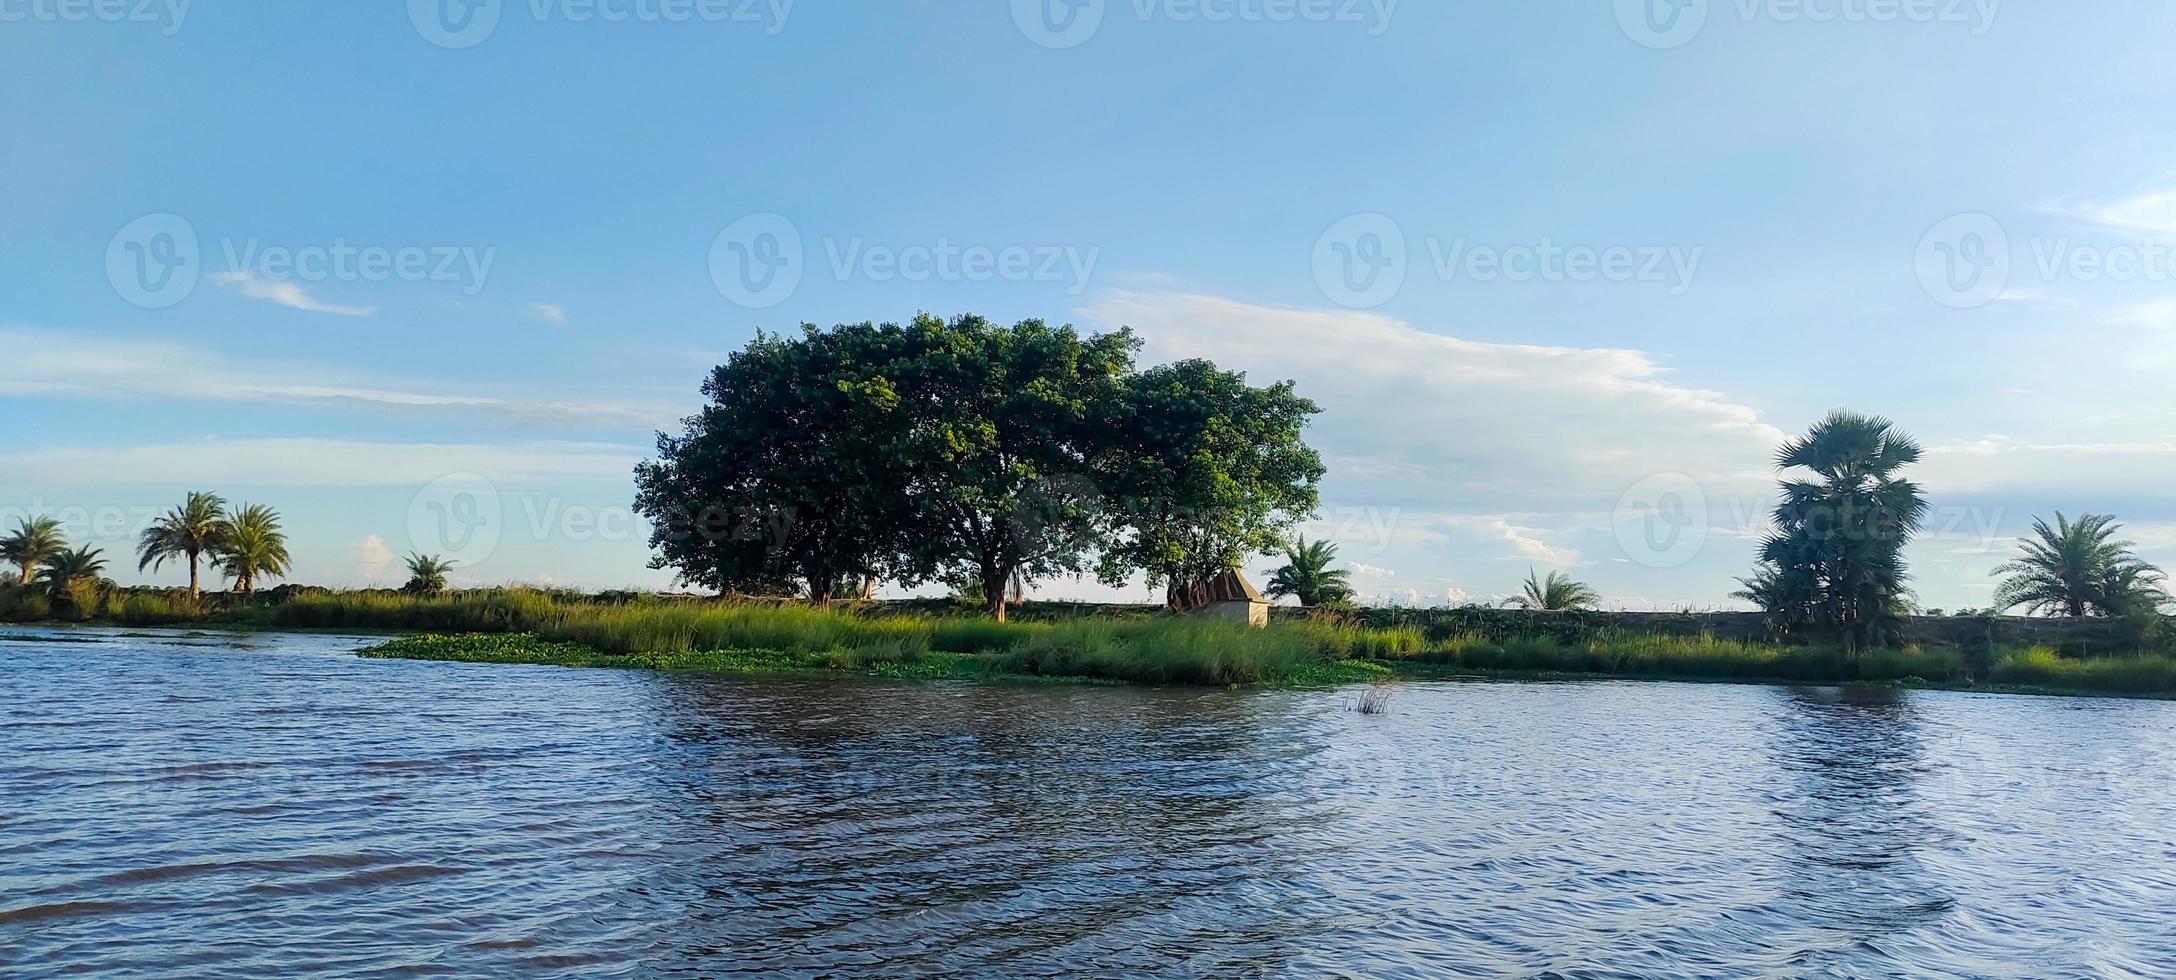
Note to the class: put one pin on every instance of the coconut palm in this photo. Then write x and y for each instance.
(1307, 575)
(1557, 593)
(1839, 539)
(69, 566)
(33, 544)
(187, 532)
(427, 574)
(2077, 568)
(252, 546)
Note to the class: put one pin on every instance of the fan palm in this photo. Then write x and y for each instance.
(1839, 540)
(1787, 599)
(427, 574)
(187, 532)
(33, 544)
(1308, 577)
(1557, 593)
(2077, 568)
(252, 546)
(69, 566)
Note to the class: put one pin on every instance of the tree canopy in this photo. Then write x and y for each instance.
(974, 454)
(1836, 559)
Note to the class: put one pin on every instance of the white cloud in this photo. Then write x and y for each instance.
(2151, 211)
(549, 313)
(373, 559)
(1526, 542)
(2134, 467)
(1366, 570)
(48, 362)
(1417, 417)
(317, 463)
(286, 293)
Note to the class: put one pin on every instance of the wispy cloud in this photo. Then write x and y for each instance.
(317, 463)
(2152, 211)
(549, 313)
(83, 365)
(286, 293)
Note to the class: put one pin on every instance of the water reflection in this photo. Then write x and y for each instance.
(1853, 822)
(178, 806)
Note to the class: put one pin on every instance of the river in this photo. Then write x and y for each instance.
(178, 804)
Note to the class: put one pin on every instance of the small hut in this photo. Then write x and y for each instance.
(1227, 595)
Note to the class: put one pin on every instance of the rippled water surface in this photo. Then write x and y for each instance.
(173, 804)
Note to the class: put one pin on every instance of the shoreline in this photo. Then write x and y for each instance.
(518, 650)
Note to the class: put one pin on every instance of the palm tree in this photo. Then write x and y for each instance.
(1557, 593)
(1787, 599)
(1840, 539)
(1307, 575)
(251, 546)
(427, 574)
(33, 544)
(188, 532)
(2077, 568)
(70, 566)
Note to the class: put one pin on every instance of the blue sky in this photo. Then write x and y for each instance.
(435, 266)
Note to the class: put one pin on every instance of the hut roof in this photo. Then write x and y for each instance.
(1230, 586)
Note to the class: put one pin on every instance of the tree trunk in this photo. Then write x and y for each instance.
(993, 591)
(194, 592)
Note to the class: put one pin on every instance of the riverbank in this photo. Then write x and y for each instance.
(931, 638)
(2027, 672)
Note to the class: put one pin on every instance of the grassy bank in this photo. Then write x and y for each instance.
(930, 638)
(892, 661)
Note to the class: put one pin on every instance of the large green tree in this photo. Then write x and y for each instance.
(188, 532)
(1199, 471)
(1835, 560)
(789, 478)
(996, 467)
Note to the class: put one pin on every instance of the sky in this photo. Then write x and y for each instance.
(430, 275)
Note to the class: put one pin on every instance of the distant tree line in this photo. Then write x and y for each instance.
(973, 454)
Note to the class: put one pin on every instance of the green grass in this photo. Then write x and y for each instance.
(1656, 655)
(2040, 667)
(934, 639)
